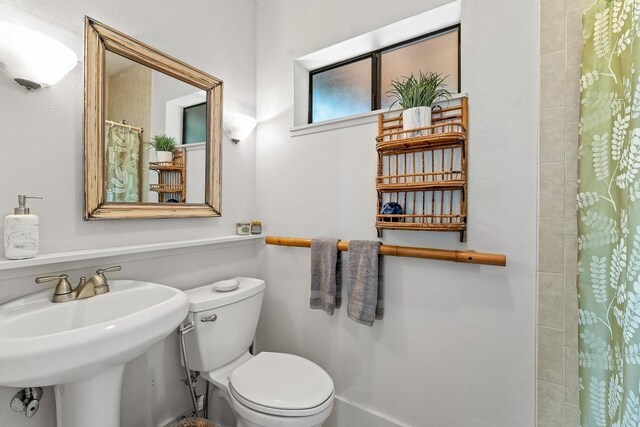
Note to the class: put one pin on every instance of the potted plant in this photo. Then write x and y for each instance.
(416, 95)
(164, 145)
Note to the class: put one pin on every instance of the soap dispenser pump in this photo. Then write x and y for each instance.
(21, 231)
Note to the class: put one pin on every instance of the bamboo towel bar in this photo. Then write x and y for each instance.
(469, 257)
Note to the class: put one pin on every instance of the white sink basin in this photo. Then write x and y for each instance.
(79, 345)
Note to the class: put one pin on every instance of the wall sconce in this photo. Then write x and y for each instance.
(33, 59)
(238, 126)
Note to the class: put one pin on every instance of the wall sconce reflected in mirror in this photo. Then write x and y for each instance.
(32, 59)
(238, 126)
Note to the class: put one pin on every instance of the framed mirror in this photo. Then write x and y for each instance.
(152, 131)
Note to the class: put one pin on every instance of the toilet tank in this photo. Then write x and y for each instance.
(213, 344)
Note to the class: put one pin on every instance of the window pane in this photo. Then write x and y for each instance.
(438, 54)
(194, 127)
(342, 91)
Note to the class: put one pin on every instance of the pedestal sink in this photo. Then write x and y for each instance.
(81, 347)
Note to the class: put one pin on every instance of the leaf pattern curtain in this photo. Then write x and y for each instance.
(609, 216)
(122, 164)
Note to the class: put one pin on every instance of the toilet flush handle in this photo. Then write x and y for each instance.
(211, 318)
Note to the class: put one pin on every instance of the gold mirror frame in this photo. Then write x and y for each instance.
(100, 38)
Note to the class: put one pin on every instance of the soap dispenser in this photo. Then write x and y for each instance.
(21, 231)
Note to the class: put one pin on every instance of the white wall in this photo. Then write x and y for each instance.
(41, 154)
(457, 344)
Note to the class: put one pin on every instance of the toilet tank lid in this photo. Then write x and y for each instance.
(207, 298)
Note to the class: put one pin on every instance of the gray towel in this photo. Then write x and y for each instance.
(366, 285)
(326, 274)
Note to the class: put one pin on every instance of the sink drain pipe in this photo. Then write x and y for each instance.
(182, 331)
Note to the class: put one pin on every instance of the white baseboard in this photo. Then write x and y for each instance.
(351, 414)
(345, 414)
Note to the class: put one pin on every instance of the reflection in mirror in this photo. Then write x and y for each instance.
(146, 112)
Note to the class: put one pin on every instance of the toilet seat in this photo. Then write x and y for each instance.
(282, 384)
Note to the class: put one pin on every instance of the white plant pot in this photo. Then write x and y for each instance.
(416, 117)
(164, 156)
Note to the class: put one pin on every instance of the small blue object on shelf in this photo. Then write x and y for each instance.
(392, 208)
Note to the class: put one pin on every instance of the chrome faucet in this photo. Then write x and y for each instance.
(96, 285)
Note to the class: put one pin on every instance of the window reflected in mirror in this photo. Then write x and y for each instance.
(194, 124)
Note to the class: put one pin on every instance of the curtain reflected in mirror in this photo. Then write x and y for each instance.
(123, 167)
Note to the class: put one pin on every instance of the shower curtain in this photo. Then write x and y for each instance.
(609, 216)
(122, 164)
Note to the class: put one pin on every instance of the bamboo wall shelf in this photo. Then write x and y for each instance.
(425, 171)
(172, 177)
(469, 257)
(166, 188)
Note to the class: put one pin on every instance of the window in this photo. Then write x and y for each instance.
(361, 84)
(194, 124)
(342, 91)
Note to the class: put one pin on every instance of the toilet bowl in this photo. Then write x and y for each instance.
(265, 390)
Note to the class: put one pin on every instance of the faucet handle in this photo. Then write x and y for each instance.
(44, 279)
(101, 284)
(108, 269)
(64, 290)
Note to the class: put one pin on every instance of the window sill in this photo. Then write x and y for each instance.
(193, 146)
(343, 122)
(349, 121)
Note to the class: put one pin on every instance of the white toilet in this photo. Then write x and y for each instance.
(266, 390)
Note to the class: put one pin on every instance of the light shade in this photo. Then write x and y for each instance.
(32, 58)
(238, 126)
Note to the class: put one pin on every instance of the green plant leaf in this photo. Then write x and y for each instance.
(421, 91)
(163, 143)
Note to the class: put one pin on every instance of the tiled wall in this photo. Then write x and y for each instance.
(557, 324)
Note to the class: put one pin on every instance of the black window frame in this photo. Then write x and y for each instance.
(184, 117)
(376, 67)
